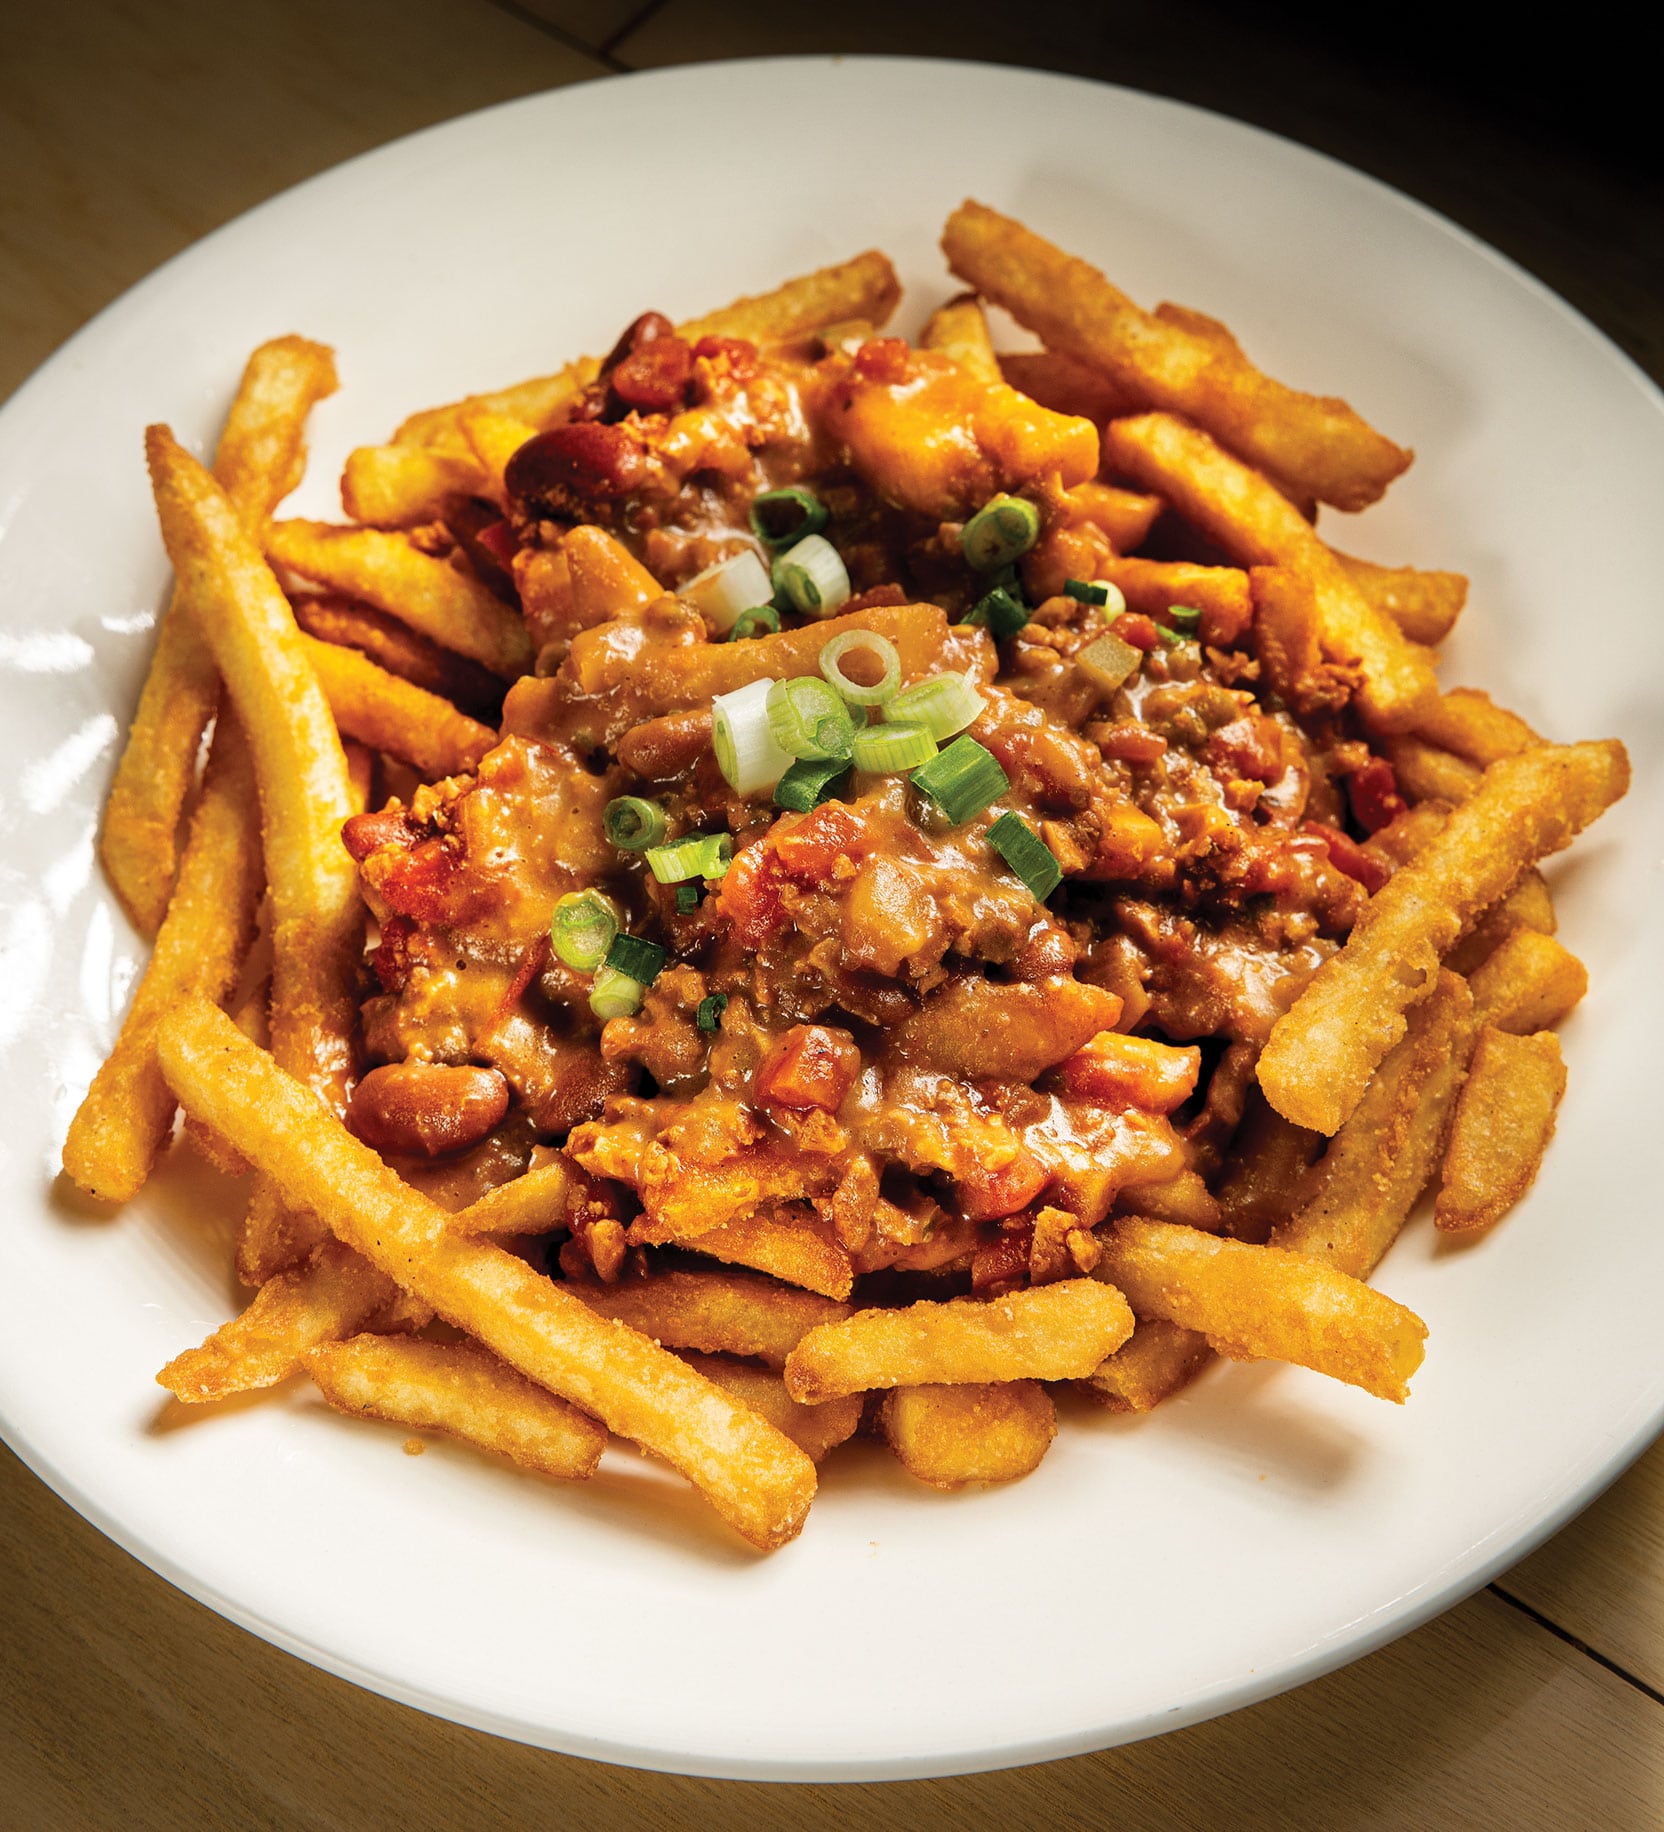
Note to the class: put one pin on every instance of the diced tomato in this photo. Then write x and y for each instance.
(1123, 1071)
(808, 851)
(1373, 793)
(391, 960)
(802, 854)
(1137, 630)
(1001, 1264)
(985, 1195)
(810, 1065)
(750, 895)
(883, 359)
(740, 353)
(1346, 855)
(497, 538)
(430, 883)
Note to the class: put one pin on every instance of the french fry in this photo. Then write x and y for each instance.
(463, 1390)
(1125, 1071)
(124, 1121)
(1286, 640)
(1424, 605)
(796, 1253)
(948, 1436)
(1185, 1198)
(1323, 1050)
(1528, 905)
(1471, 724)
(755, 1477)
(1428, 772)
(494, 438)
(1317, 446)
(403, 486)
(1048, 1332)
(535, 1203)
(305, 795)
(1257, 526)
(333, 1294)
(733, 1313)
(1268, 1158)
(605, 579)
(1529, 983)
(400, 650)
(430, 595)
(864, 288)
(1220, 593)
(960, 329)
(261, 455)
(1261, 1303)
(815, 1430)
(392, 715)
(540, 401)
(1406, 834)
(1502, 1125)
(1154, 1362)
(1054, 380)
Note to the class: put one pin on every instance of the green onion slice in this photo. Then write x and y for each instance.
(687, 899)
(810, 577)
(702, 856)
(1001, 613)
(642, 960)
(943, 704)
(1184, 617)
(884, 749)
(962, 780)
(1108, 662)
(582, 928)
(709, 1014)
(727, 589)
(1002, 530)
(810, 782)
(615, 994)
(1085, 591)
(745, 749)
(1027, 854)
(633, 823)
(781, 517)
(806, 718)
(1170, 637)
(869, 642)
(759, 620)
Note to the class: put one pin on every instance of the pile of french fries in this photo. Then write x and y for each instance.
(326, 667)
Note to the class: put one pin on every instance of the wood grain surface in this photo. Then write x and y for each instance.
(127, 131)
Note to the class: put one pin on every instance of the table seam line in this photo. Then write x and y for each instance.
(609, 45)
(1576, 1641)
(527, 17)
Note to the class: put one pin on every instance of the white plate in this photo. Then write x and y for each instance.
(1262, 1529)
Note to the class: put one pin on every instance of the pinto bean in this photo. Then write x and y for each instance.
(426, 1109)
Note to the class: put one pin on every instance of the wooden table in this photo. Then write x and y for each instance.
(126, 132)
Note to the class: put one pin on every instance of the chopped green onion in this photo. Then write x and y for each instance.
(943, 704)
(687, 899)
(633, 823)
(760, 618)
(810, 577)
(703, 856)
(1107, 662)
(615, 994)
(726, 590)
(1084, 592)
(745, 749)
(1001, 613)
(582, 928)
(806, 718)
(1171, 638)
(883, 651)
(709, 1015)
(1027, 854)
(1184, 617)
(780, 517)
(642, 960)
(1002, 530)
(883, 749)
(962, 780)
(810, 782)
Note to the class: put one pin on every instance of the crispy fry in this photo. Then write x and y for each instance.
(1471, 724)
(430, 595)
(796, 1253)
(1322, 1051)
(1286, 639)
(1050, 1332)
(333, 1294)
(1268, 1158)
(1125, 1071)
(1261, 1303)
(948, 1436)
(865, 288)
(1257, 526)
(1427, 772)
(1530, 983)
(1220, 593)
(1503, 1122)
(733, 1313)
(960, 329)
(1424, 605)
(262, 452)
(1529, 905)
(756, 1478)
(535, 1203)
(403, 486)
(464, 1390)
(494, 438)
(392, 715)
(1056, 381)
(402, 651)
(1124, 518)
(1318, 446)
(1184, 1198)
(541, 401)
(1154, 1362)
(604, 578)
(124, 1120)
(813, 1429)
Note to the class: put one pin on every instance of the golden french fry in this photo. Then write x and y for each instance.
(733, 1313)
(1424, 605)
(1471, 724)
(1503, 1122)
(1184, 1198)
(541, 401)
(400, 650)
(1267, 1160)
(948, 1436)
(333, 1294)
(392, 715)
(1405, 835)
(1154, 1362)
(261, 455)
(403, 486)
(494, 438)
(604, 579)
(960, 329)
(124, 1120)
(1323, 1050)
(463, 1390)
(1051, 379)
(536, 1203)
(756, 1478)
(1124, 518)
(430, 595)
(1261, 1303)
(1428, 772)
(1528, 905)
(1154, 587)
(864, 288)
(1286, 640)
(1318, 446)
(1529, 983)
(813, 1429)
(796, 1253)
(1257, 526)
(1048, 1332)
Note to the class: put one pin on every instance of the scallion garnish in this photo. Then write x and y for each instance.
(810, 577)
(702, 856)
(807, 718)
(633, 823)
(642, 960)
(1185, 618)
(709, 1014)
(582, 928)
(1000, 613)
(962, 780)
(810, 782)
(1108, 662)
(1027, 854)
(687, 899)
(728, 589)
(745, 749)
(864, 642)
(1083, 591)
(760, 620)
(615, 994)
(1002, 530)
(881, 750)
(781, 517)
(1170, 638)
(943, 704)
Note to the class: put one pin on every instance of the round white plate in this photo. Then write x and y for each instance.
(1263, 1528)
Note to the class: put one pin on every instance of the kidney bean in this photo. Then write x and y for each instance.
(363, 834)
(638, 333)
(569, 471)
(426, 1109)
(654, 378)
